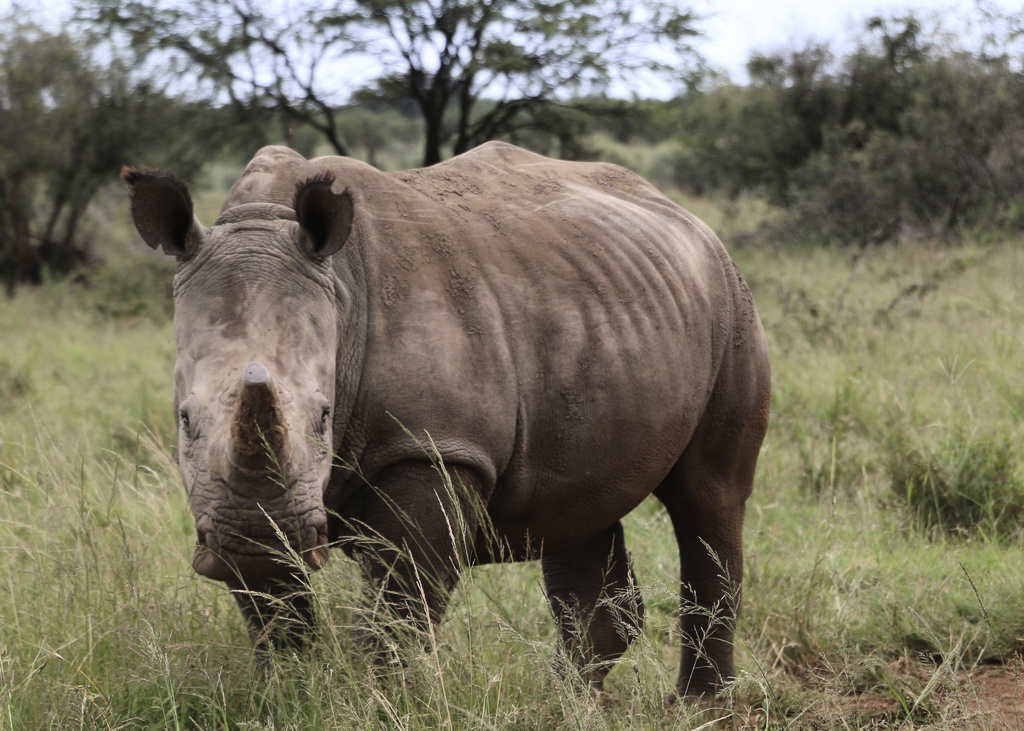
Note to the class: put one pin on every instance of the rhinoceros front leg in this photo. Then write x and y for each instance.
(596, 602)
(279, 612)
(413, 537)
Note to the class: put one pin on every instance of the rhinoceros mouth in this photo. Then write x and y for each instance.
(222, 556)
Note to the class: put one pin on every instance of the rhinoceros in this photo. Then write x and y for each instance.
(494, 358)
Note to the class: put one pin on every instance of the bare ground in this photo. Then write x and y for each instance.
(1000, 694)
(989, 697)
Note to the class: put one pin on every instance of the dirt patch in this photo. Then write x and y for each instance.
(901, 694)
(1000, 695)
(986, 698)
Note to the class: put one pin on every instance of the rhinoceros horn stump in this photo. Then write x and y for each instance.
(279, 611)
(258, 431)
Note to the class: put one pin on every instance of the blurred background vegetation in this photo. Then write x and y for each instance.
(908, 134)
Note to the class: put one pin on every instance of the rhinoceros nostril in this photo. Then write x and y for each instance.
(315, 552)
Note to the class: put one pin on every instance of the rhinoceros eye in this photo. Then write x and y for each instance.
(186, 422)
(325, 417)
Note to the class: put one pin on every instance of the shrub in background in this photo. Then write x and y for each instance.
(908, 134)
(968, 485)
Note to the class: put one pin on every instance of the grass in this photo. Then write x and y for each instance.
(853, 615)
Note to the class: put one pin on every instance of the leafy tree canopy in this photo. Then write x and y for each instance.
(305, 59)
(907, 133)
(69, 123)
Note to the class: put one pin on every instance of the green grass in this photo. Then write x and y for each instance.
(853, 615)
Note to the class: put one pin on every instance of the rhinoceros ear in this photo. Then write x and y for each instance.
(324, 216)
(162, 211)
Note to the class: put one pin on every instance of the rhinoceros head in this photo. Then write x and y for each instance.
(257, 337)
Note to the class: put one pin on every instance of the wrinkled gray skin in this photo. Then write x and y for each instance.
(570, 340)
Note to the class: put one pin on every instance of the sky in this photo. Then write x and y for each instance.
(734, 29)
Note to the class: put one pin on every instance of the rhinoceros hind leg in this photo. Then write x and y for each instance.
(279, 612)
(705, 494)
(596, 602)
(711, 563)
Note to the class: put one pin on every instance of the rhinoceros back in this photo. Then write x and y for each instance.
(556, 326)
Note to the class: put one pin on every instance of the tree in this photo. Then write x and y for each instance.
(753, 137)
(905, 134)
(444, 55)
(69, 124)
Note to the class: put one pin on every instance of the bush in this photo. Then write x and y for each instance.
(15, 383)
(852, 196)
(902, 136)
(969, 486)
